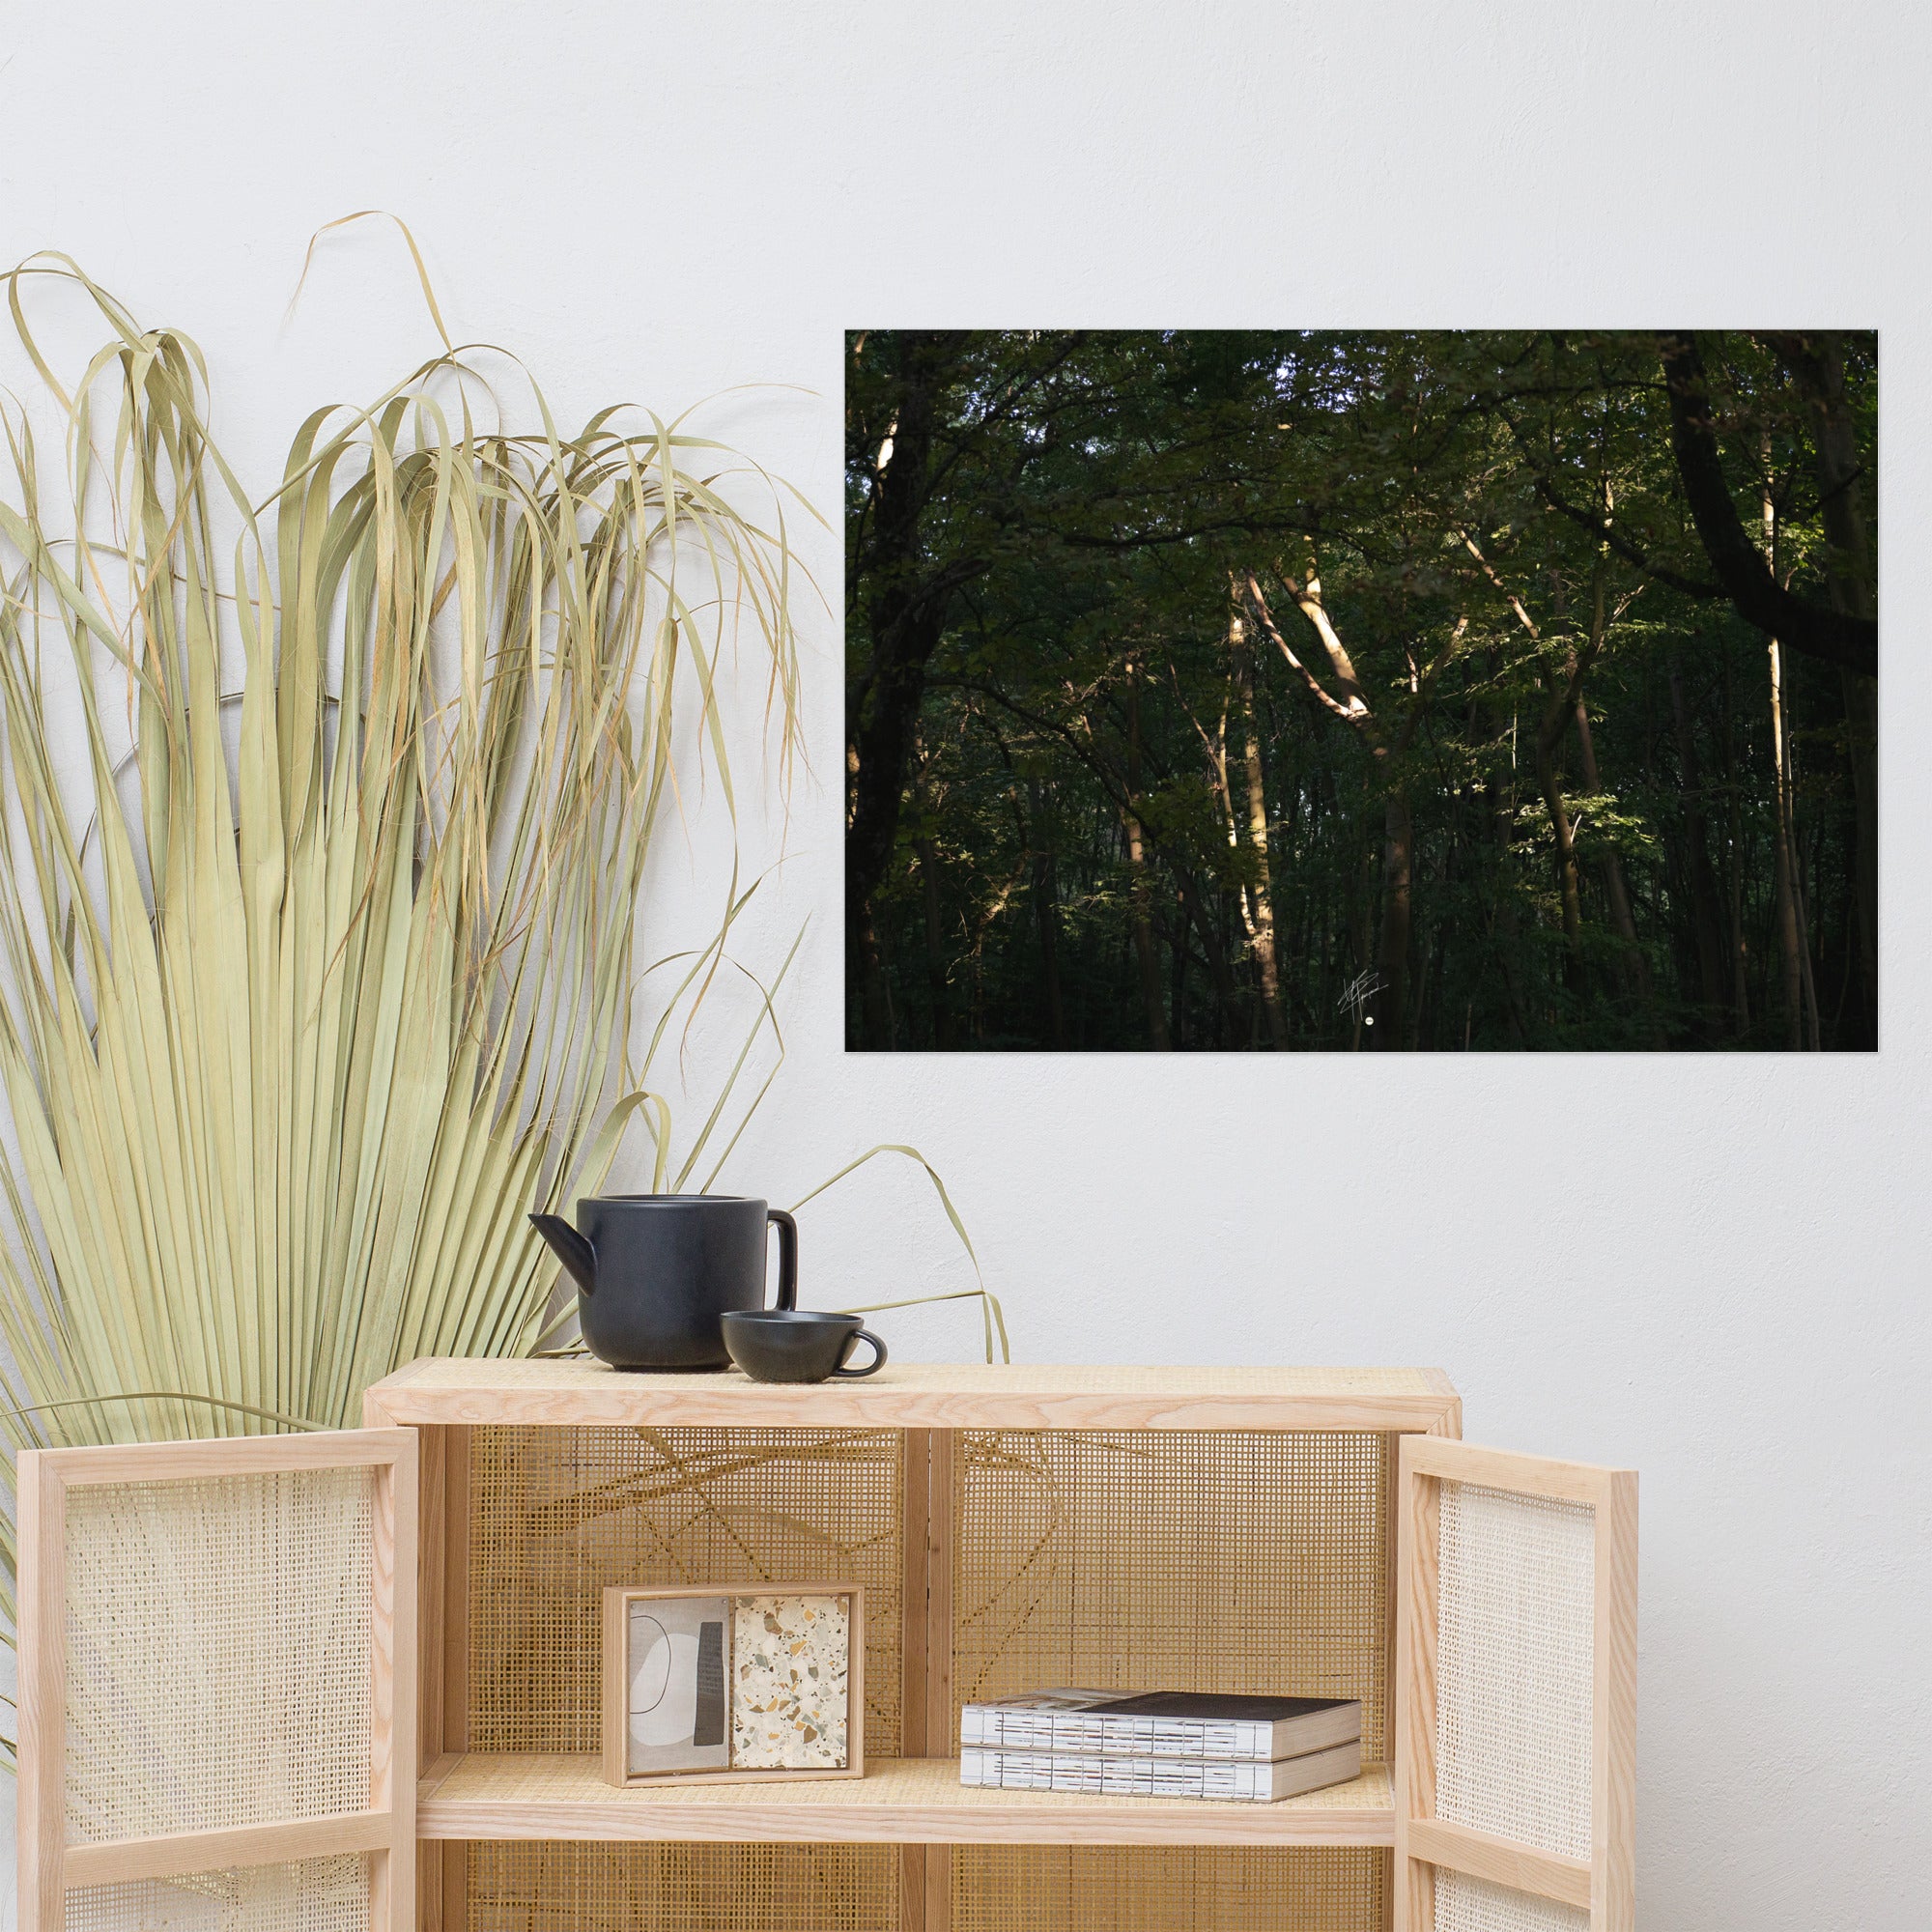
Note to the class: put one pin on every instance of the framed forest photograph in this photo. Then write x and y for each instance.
(1361, 690)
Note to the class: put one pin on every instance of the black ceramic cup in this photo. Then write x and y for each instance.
(794, 1344)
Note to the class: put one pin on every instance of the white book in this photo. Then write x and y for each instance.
(1230, 1781)
(1162, 1724)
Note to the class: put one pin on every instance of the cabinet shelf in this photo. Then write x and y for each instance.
(898, 1801)
(918, 1395)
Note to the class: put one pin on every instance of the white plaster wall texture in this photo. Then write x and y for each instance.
(1711, 1268)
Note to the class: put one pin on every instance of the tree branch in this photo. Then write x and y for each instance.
(1356, 709)
(1607, 532)
(1406, 736)
(1801, 625)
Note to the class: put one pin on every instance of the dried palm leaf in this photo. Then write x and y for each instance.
(312, 986)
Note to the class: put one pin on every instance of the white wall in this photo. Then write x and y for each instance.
(1711, 1268)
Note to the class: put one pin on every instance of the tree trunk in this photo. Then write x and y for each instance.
(1735, 871)
(1499, 813)
(1568, 885)
(1181, 954)
(1140, 891)
(1615, 887)
(1564, 700)
(1818, 366)
(1790, 939)
(1046, 907)
(904, 614)
(1861, 730)
(1260, 898)
(1359, 906)
(1792, 943)
(1390, 1014)
(940, 993)
(1349, 703)
(1214, 950)
(875, 1011)
(1707, 919)
(1813, 1017)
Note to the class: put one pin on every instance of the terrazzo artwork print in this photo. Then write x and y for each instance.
(790, 1682)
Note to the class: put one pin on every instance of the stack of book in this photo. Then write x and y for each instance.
(1164, 1743)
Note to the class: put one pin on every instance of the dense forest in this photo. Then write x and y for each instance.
(1361, 690)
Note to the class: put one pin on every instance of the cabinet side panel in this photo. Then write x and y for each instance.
(441, 1872)
(43, 1692)
(942, 1530)
(435, 1525)
(917, 1468)
(916, 1503)
(443, 1646)
(1418, 1551)
(1614, 1777)
(431, 1535)
(929, 1906)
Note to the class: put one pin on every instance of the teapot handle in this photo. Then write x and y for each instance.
(787, 1257)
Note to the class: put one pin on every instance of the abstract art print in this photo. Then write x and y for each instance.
(1285, 691)
(676, 1703)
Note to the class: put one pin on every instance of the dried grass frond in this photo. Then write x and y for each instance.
(320, 972)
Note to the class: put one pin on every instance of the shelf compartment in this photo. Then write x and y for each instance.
(1204, 1560)
(555, 1516)
(898, 1801)
(1161, 1888)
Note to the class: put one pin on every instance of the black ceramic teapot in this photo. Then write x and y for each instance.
(654, 1272)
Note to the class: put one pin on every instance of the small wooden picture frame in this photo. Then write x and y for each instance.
(745, 1683)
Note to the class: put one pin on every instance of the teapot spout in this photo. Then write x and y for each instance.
(569, 1248)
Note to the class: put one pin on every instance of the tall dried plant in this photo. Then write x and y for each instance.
(319, 974)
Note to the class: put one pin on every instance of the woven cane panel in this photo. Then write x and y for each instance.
(314, 1896)
(1466, 1904)
(536, 1886)
(217, 1651)
(559, 1514)
(1249, 1561)
(1514, 1667)
(1109, 1889)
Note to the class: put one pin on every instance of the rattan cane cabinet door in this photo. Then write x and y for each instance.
(1516, 1693)
(218, 1684)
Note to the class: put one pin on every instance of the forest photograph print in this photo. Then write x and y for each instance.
(1350, 691)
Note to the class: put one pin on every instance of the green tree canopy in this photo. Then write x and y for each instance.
(1339, 690)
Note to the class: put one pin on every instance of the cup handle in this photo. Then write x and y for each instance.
(787, 1257)
(872, 1366)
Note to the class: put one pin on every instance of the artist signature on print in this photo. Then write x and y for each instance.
(1359, 992)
